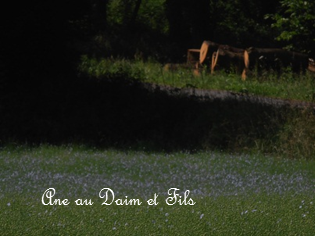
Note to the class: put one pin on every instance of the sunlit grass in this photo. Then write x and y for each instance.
(257, 215)
(286, 86)
(233, 194)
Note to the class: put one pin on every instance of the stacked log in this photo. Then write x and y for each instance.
(210, 52)
(197, 58)
(228, 60)
(206, 50)
(207, 54)
(311, 65)
(231, 59)
(193, 57)
(273, 59)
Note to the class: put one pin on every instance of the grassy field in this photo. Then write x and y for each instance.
(233, 194)
(286, 86)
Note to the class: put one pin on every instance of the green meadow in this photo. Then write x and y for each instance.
(231, 194)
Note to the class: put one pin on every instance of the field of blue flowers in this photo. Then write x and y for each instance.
(77, 190)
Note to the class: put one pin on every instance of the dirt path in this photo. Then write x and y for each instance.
(204, 94)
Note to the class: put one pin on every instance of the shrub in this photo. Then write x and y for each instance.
(297, 137)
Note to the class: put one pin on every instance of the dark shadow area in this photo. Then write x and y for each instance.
(43, 100)
(121, 112)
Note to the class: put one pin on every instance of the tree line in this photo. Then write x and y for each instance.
(162, 29)
(166, 28)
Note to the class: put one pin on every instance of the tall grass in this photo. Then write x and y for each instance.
(287, 85)
(297, 137)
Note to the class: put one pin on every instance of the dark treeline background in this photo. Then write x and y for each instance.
(165, 29)
(42, 98)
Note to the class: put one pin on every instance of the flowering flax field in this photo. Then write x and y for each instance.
(84, 191)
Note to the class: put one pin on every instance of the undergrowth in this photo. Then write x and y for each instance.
(297, 136)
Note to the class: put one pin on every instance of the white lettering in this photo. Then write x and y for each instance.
(48, 194)
(106, 195)
(176, 198)
(81, 202)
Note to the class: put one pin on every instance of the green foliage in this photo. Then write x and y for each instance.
(111, 67)
(296, 24)
(150, 14)
(164, 29)
(241, 22)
